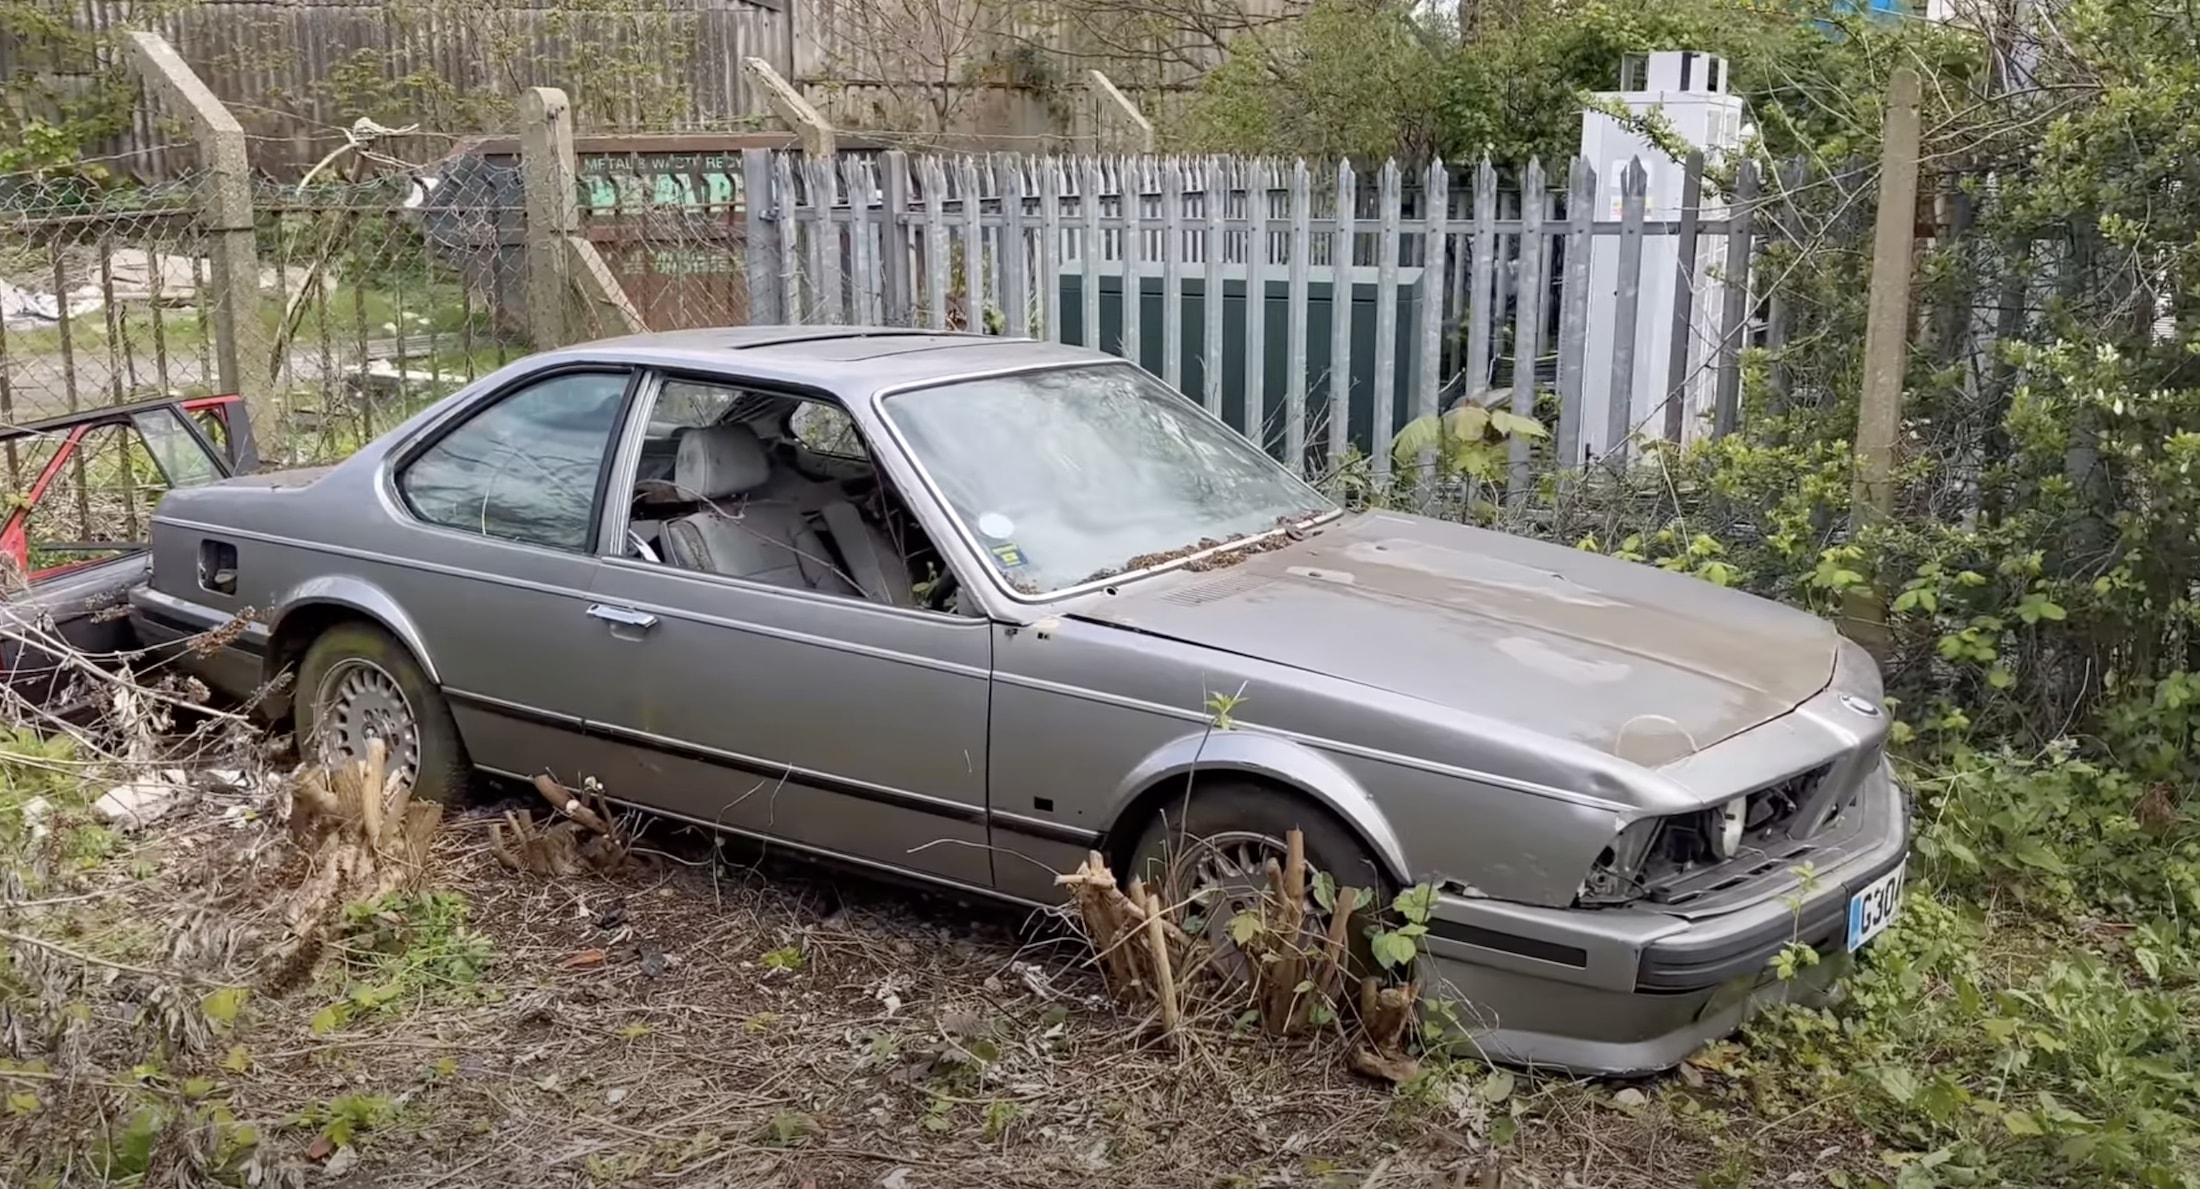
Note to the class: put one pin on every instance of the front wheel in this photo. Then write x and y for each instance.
(1209, 853)
(358, 684)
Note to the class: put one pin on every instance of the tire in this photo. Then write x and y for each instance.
(1233, 807)
(355, 656)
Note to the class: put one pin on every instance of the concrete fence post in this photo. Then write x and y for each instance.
(1118, 125)
(547, 179)
(813, 130)
(1886, 347)
(225, 210)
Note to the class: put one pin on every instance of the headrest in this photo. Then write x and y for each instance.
(716, 461)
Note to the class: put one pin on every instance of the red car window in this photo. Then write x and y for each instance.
(82, 488)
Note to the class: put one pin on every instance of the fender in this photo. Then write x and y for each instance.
(1282, 760)
(357, 594)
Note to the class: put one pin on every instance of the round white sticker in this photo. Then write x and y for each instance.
(996, 526)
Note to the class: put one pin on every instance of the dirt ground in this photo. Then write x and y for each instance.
(712, 1016)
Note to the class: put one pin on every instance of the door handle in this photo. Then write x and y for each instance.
(623, 616)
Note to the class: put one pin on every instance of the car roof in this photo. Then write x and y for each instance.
(854, 357)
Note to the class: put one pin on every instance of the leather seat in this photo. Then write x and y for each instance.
(761, 540)
(876, 565)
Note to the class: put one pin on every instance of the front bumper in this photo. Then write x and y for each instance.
(1637, 989)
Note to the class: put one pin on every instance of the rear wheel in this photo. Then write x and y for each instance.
(358, 684)
(1209, 852)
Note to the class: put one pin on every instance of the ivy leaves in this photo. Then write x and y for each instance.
(1396, 949)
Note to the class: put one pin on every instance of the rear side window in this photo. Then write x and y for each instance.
(216, 429)
(827, 430)
(183, 460)
(525, 469)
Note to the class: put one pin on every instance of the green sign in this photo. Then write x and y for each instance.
(669, 262)
(640, 180)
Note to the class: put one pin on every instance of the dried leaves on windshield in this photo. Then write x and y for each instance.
(1218, 552)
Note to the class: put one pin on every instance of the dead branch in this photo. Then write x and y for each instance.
(520, 845)
(75, 955)
(586, 839)
(1386, 1018)
(1157, 946)
(1111, 920)
(565, 801)
(365, 837)
(38, 638)
(1296, 971)
(1282, 969)
(1331, 972)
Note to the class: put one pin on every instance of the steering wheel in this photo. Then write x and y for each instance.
(943, 588)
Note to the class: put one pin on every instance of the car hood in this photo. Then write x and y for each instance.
(1626, 658)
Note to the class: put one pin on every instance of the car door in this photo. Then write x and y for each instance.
(823, 720)
(493, 554)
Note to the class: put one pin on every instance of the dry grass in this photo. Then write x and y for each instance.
(672, 1010)
(695, 1020)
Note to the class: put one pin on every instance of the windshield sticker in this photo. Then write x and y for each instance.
(1009, 557)
(996, 526)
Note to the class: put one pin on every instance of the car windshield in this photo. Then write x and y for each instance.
(1078, 474)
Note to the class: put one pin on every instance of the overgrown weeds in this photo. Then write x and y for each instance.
(111, 1007)
(46, 815)
(2032, 1018)
(683, 1022)
(402, 946)
(1284, 962)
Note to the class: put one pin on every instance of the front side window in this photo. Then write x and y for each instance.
(526, 468)
(1076, 475)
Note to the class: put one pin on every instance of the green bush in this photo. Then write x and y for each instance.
(2034, 1016)
(1984, 1050)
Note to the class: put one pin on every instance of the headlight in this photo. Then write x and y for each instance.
(1617, 876)
(1726, 840)
(1651, 851)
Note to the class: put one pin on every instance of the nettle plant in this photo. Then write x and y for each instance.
(1470, 440)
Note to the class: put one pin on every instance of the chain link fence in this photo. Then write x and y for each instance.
(103, 296)
(390, 298)
(104, 300)
(373, 298)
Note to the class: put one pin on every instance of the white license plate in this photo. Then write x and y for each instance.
(1873, 909)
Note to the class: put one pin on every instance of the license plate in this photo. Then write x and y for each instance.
(1873, 909)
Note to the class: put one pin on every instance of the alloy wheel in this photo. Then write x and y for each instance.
(358, 702)
(1217, 877)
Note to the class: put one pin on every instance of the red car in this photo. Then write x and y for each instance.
(71, 587)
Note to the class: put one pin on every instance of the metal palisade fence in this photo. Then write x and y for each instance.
(1609, 306)
(1345, 304)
